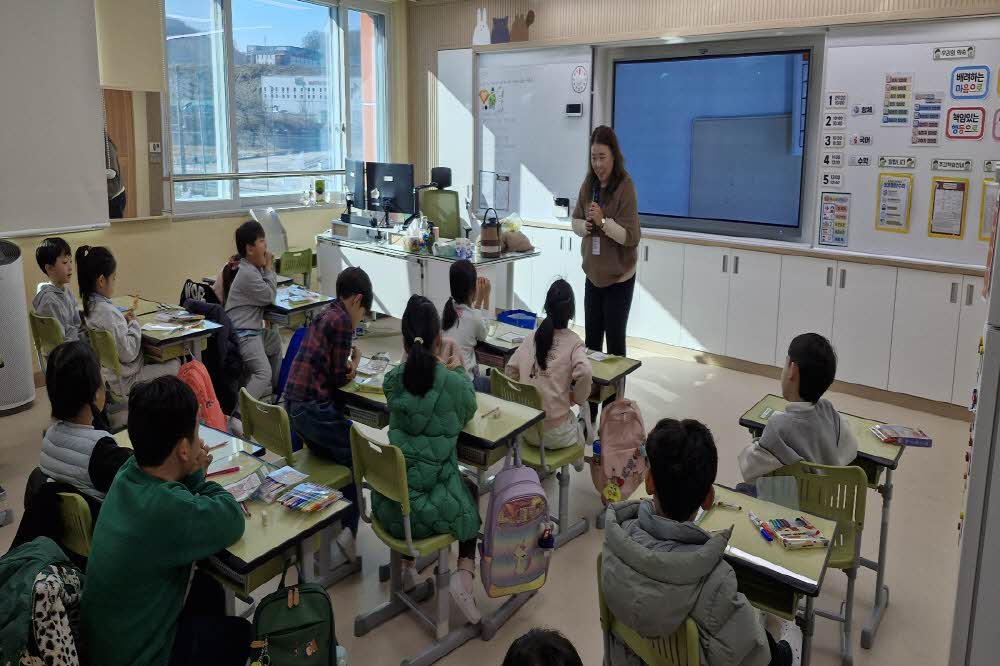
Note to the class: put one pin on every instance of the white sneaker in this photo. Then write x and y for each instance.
(460, 587)
(792, 634)
(347, 545)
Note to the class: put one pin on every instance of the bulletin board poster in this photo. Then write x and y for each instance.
(970, 82)
(989, 204)
(892, 211)
(966, 122)
(928, 114)
(835, 214)
(949, 197)
(897, 99)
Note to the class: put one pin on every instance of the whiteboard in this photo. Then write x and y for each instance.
(524, 135)
(858, 66)
(455, 128)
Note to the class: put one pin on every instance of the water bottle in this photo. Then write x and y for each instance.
(597, 452)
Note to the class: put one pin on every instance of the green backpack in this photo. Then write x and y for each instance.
(294, 625)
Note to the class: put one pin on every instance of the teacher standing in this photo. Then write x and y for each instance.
(607, 218)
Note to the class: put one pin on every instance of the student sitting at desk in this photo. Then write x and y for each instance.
(254, 288)
(97, 274)
(53, 298)
(465, 314)
(429, 404)
(73, 450)
(140, 603)
(554, 359)
(659, 567)
(326, 361)
(810, 428)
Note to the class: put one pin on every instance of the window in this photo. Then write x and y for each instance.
(255, 88)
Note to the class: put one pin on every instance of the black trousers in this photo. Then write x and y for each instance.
(116, 206)
(607, 310)
(205, 634)
(781, 653)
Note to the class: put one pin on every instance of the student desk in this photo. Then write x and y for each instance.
(874, 456)
(136, 304)
(261, 552)
(771, 576)
(283, 280)
(288, 310)
(162, 345)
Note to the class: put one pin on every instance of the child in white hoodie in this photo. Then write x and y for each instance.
(554, 360)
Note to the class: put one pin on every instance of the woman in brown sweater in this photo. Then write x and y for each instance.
(607, 218)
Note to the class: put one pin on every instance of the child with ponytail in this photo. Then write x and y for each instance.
(97, 272)
(554, 359)
(429, 404)
(465, 314)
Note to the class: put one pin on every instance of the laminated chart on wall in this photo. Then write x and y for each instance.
(947, 210)
(988, 207)
(895, 192)
(928, 111)
(835, 214)
(897, 99)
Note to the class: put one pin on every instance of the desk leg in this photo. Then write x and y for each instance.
(881, 589)
(509, 291)
(808, 624)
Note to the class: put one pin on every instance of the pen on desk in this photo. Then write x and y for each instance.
(495, 410)
(219, 472)
(722, 504)
(246, 511)
(760, 526)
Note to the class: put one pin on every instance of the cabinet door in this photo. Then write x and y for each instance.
(659, 292)
(805, 301)
(924, 334)
(524, 271)
(573, 272)
(862, 322)
(553, 244)
(752, 315)
(330, 260)
(971, 320)
(394, 279)
(706, 298)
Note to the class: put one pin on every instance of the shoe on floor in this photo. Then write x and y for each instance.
(347, 545)
(792, 634)
(460, 588)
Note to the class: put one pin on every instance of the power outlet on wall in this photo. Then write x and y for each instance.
(154, 147)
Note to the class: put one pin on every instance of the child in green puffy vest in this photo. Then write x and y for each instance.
(429, 404)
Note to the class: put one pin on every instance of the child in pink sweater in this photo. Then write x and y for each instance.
(554, 359)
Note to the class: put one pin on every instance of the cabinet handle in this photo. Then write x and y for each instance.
(968, 295)
(560, 244)
(954, 293)
(843, 278)
(829, 276)
(725, 263)
(645, 257)
(736, 265)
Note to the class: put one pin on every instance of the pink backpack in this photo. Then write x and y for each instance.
(195, 375)
(517, 534)
(622, 465)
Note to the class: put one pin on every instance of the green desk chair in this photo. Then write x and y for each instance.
(441, 207)
(298, 262)
(47, 334)
(682, 648)
(537, 458)
(836, 493)
(383, 468)
(268, 425)
(78, 528)
(104, 346)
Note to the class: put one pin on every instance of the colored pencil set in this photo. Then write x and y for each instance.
(308, 497)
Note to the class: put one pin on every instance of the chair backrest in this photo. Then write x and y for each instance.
(277, 236)
(46, 333)
(442, 209)
(383, 468)
(682, 648)
(104, 345)
(267, 425)
(297, 262)
(507, 389)
(835, 493)
(78, 528)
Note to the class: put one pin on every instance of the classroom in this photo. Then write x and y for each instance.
(675, 315)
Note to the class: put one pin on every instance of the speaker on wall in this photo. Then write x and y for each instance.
(17, 385)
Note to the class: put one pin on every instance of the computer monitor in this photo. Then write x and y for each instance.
(394, 182)
(355, 182)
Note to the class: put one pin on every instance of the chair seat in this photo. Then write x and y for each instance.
(424, 547)
(322, 471)
(554, 458)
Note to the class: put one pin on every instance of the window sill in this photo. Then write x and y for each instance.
(146, 218)
(243, 212)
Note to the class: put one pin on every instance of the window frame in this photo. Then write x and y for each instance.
(337, 108)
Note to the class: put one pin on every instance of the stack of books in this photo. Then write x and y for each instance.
(901, 435)
(278, 482)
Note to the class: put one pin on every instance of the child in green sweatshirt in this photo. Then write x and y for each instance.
(160, 517)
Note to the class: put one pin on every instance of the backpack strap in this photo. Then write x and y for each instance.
(288, 565)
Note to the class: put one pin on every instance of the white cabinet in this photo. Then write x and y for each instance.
(924, 334)
(524, 272)
(551, 265)
(752, 313)
(862, 322)
(971, 320)
(705, 298)
(805, 302)
(575, 276)
(659, 292)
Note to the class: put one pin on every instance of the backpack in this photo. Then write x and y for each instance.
(294, 625)
(622, 464)
(198, 291)
(517, 534)
(195, 375)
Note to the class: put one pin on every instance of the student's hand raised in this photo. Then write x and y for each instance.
(453, 362)
(483, 289)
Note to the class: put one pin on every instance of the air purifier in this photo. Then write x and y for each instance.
(17, 385)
